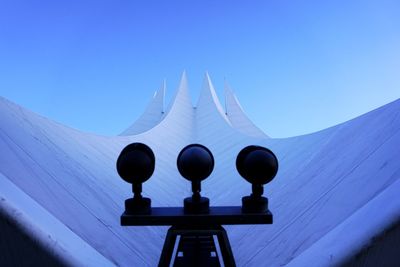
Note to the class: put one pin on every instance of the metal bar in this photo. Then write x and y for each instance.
(176, 216)
(168, 248)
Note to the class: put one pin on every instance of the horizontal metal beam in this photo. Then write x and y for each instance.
(230, 215)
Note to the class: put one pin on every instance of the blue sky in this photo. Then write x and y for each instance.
(296, 66)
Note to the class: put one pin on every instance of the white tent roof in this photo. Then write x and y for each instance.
(326, 182)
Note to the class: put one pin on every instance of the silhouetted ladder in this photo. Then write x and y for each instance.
(196, 247)
(197, 232)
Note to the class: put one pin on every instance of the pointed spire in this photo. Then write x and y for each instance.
(237, 117)
(162, 93)
(208, 98)
(182, 97)
(152, 115)
(225, 88)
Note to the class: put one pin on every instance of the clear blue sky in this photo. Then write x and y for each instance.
(296, 66)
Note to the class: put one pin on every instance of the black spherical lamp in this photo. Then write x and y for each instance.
(195, 163)
(135, 165)
(257, 165)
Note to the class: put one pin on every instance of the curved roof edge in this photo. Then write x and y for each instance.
(330, 250)
(152, 115)
(208, 109)
(44, 228)
(181, 100)
(208, 100)
(237, 117)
